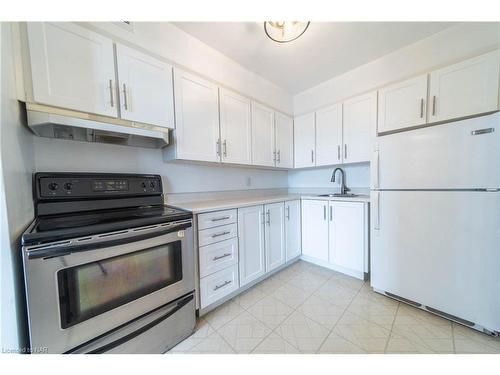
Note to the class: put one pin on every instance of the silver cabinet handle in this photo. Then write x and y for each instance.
(268, 213)
(482, 131)
(111, 99)
(220, 234)
(312, 156)
(274, 156)
(422, 108)
(288, 212)
(221, 256)
(125, 101)
(279, 156)
(324, 212)
(220, 218)
(224, 146)
(345, 151)
(331, 213)
(217, 147)
(434, 105)
(217, 287)
(338, 152)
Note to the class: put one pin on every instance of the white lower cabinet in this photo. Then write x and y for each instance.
(252, 263)
(315, 229)
(274, 233)
(347, 235)
(293, 236)
(334, 233)
(218, 285)
(218, 256)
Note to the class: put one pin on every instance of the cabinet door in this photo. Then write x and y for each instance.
(263, 152)
(329, 135)
(235, 128)
(402, 105)
(315, 229)
(146, 88)
(197, 118)
(304, 139)
(252, 261)
(465, 89)
(360, 118)
(72, 67)
(292, 229)
(284, 140)
(347, 235)
(275, 235)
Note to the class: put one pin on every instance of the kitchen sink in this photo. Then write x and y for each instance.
(338, 195)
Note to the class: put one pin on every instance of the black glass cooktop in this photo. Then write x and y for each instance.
(59, 227)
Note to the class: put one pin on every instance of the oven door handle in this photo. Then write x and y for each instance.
(147, 327)
(101, 241)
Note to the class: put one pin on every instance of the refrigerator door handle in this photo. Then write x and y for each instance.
(375, 169)
(376, 210)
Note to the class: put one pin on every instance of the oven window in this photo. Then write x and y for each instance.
(93, 288)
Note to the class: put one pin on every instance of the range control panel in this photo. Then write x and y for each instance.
(69, 185)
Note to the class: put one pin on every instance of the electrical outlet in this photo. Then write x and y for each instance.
(249, 181)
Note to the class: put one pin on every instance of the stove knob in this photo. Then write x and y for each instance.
(53, 186)
(68, 186)
(152, 184)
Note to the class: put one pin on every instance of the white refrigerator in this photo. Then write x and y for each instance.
(435, 219)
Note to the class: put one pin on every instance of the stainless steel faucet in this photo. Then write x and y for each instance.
(343, 187)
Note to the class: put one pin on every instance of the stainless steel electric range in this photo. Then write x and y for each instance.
(108, 267)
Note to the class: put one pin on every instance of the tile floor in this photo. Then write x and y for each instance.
(310, 309)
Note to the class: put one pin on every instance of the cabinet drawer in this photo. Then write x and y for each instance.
(212, 235)
(218, 285)
(217, 218)
(218, 256)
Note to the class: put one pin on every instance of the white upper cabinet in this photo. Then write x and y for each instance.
(329, 135)
(145, 87)
(197, 118)
(275, 235)
(315, 229)
(402, 105)
(347, 235)
(467, 88)
(263, 147)
(284, 140)
(360, 119)
(292, 229)
(304, 139)
(72, 67)
(252, 263)
(235, 128)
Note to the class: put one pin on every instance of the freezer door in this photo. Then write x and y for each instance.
(440, 249)
(458, 155)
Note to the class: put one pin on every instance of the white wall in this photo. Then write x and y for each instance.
(55, 155)
(446, 47)
(357, 176)
(16, 208)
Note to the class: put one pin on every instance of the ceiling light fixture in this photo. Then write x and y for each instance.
(285, 31)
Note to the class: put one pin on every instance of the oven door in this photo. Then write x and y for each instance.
(80, 289)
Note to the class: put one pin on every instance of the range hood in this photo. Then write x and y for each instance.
(52, 122)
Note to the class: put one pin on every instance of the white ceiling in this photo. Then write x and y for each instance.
(325, 50)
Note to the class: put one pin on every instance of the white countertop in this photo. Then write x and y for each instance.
(198, 207)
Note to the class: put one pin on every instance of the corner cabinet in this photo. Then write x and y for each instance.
(293, 226)
(196, 133)
(284, 140)
(252, 261)
(72, 67)
(304, 140)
